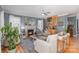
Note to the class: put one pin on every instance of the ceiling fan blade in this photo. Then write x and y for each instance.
(48, 12)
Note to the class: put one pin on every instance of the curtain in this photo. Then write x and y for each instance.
(40, 25)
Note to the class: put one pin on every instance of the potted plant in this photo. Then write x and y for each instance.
(16, 35)
(11, 36)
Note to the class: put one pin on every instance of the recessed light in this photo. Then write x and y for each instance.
(42, 14)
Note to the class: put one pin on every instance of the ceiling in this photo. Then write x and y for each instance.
(35, 10)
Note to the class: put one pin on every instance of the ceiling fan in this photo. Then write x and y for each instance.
(43, 12)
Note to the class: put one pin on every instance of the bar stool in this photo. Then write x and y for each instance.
(68, 39)
(65, 40)
(60, 44)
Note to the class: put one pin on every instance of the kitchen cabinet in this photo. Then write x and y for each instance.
(52, 24)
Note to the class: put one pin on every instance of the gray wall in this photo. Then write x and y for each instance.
(24, 19)
(0, 8)
(6, 18)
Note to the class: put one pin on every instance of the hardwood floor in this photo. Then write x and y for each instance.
(74, 46)
(19, 49)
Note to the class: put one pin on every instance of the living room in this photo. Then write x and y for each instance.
(40, 29)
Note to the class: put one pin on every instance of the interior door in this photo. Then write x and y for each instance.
(72, 21)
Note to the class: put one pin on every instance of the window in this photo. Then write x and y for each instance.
(15, 21)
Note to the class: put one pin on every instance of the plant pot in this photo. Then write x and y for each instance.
(5, 43)
(12, 51)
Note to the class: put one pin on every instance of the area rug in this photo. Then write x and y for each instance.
(27, 45)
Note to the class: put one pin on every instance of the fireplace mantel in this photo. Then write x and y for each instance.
(27, 28)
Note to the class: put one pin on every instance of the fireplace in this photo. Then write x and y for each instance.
(30, 32)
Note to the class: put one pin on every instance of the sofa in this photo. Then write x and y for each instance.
(48, 46)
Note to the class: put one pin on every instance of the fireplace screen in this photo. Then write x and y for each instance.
(30, 32)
